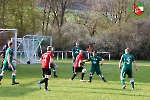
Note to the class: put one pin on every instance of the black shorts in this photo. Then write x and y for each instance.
(46, 71)
(78, 69)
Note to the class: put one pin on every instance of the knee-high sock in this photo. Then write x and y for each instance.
(72, 68)
(1, 77)
(90, 78)
(132, 83)
(74, 75)
(43, 81)
(13, 78)
(123, 81)
(46, 83)
(54, 72)
(82, 75)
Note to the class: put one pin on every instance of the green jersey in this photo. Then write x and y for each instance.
(127, 60)
(76, 51)
(9, 51)
(95, 61)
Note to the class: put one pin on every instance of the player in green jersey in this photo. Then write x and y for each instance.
(127, 60)
(95, 67)
(75, 52)
(8, 65)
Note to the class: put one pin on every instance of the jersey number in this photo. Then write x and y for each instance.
(128, 59)
(45, 58)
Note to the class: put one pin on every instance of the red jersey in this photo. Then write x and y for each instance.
(45, 59)
(77, 63)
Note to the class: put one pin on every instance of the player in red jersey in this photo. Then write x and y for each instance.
(78, 66)
(46, 60)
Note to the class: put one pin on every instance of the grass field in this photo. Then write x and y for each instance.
(63, 89)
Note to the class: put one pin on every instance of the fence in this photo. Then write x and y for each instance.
(68, 54)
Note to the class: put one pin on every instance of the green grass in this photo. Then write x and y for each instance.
(63, 89)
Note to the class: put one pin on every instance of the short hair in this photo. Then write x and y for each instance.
(10, 43)
(49, 48)
(94, 51)
(128, 50)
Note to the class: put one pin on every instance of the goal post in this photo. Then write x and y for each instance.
(31, 47)
(7, 34)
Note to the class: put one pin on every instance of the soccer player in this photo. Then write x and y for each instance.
(8, 65)
(78, 66)
(75, 52)
(52, 65)
(127, 60)
(95, 67)
(46, 60)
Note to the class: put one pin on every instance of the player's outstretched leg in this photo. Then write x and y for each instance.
(74, 75)
(102, 77)
(132, 83)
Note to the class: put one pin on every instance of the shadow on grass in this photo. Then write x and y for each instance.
(17, 90)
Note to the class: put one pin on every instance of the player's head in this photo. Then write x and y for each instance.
(10, 44)
(81, 52)
(49, 48)
(127, 51)
(94, 53)
(77, 44)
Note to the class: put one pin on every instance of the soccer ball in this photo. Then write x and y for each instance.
(84, 70)
(28, 62)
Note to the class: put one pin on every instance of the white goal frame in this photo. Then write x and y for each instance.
(15, 31)
(30, 52)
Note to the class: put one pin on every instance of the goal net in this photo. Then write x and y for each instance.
(31, 47)
(5, 36)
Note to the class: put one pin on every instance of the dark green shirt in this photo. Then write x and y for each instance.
(127, 60)
(9, 51)
(75, 51)
(95, 61)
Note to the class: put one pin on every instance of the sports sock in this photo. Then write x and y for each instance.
(46, 83)
(82, 75)
(54, 72)
(122, 81)
(132, 83)
(103, 79)
(90, 78)
(13, 78)
(1, 77)
(43, 81)
(74, 75)
(72, 68)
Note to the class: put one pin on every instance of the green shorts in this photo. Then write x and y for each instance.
(97, 70)
(125, 71)
(6, 67)
(52, 66)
